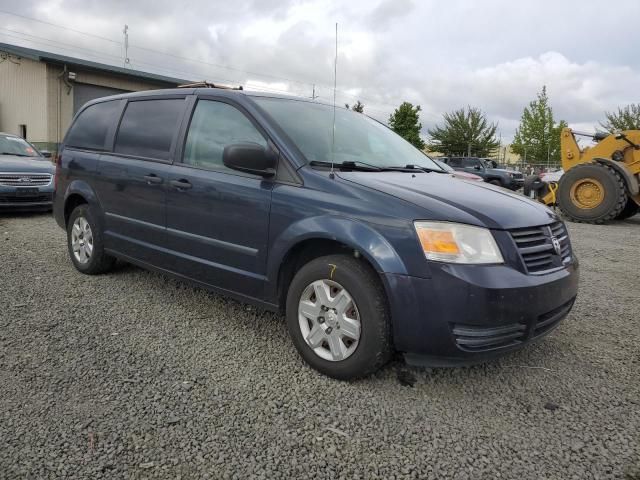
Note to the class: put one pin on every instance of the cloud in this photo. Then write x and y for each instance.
(492, 54)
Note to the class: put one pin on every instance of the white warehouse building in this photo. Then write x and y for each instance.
(41, 91)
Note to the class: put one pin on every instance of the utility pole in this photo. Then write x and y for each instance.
(125, 31)
(469, 150)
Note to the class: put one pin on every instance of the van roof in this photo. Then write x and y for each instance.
(192, 90)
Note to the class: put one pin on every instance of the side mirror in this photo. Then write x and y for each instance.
(477, 167)
(45, 153)
(250, 158)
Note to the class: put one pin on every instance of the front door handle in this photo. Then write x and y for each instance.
(152, 178)
(181, 184)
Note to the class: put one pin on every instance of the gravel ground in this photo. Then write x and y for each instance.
(133, 375)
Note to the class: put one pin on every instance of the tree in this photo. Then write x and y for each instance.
(538, 136)
(405, 122)
(465, 132)
(626, 118)
(357, 107)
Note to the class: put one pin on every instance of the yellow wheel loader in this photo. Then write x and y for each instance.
(600, 183)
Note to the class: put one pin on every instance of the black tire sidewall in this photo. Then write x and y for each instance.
(613, 192)
(630, 209)
(360, 281)
(99, 260)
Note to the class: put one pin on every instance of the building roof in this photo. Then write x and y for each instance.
(48, 57)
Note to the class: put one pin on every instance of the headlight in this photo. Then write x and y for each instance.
(457, 243)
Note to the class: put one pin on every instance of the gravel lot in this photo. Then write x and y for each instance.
(135, 375)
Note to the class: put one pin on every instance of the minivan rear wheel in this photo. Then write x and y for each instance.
(85, 242)
(337, 317)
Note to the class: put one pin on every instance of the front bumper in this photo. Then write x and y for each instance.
(465, 314)
(41, 201)
(516, 184)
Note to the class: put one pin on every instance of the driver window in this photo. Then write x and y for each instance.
(215, 125)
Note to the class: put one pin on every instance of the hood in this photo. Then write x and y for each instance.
(12, 163)
(456, 200)
(505, 170)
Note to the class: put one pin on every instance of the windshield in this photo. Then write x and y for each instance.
(358, 138)
(10, 145)
(443, 165)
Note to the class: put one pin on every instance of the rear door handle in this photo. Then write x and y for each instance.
(181, 184)
(152, 178)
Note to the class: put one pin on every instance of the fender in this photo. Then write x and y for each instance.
(623, 170)
(82, 188)
(371, 244)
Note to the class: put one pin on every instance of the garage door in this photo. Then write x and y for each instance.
(83, 92)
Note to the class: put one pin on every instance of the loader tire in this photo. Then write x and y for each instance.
(591, 193)
(629, 210)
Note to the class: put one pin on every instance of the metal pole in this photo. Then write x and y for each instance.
(126, 45)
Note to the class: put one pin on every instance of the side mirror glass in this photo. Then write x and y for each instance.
(45, 153)
(251, 158)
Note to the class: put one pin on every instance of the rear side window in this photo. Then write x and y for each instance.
(214, 126)
(455, 162)
(148, 128)
(90, 129)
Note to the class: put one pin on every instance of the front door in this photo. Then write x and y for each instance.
(218, 218)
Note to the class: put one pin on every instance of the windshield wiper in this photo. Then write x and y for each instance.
(356, 165)
(14, 154)
(425, 169)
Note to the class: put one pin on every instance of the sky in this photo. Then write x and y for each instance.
(491, 54)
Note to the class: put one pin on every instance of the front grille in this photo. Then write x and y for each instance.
(25, 179)
(475, 338)
(518, 176)
(537, 250)
(549, 320)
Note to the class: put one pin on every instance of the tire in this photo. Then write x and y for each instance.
(529, 183)
(97, 261)
(495, 182)
(629, 210)
(607, 199)
(361, 283)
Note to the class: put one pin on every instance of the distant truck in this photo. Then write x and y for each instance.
(487, 169)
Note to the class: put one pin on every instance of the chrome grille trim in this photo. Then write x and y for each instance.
(536, 248)
(16, 179)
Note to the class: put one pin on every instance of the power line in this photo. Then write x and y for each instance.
(266, 75)
(106, 57)
(101, 57)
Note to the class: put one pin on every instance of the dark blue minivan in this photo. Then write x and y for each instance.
(366, 245)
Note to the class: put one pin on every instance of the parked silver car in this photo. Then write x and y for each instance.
(26, 175)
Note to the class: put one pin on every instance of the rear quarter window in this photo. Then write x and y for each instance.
(91, 128)
(148, 128)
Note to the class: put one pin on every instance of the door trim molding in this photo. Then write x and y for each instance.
(189, 236)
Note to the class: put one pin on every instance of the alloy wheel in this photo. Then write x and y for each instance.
(81, 240)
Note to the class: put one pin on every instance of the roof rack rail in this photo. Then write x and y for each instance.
(205, 84)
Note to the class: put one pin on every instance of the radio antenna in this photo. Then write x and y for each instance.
(333, 131)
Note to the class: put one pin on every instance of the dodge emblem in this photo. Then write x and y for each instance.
(556, 245)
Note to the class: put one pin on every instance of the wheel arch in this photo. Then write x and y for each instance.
(77, 193)
(300, 244)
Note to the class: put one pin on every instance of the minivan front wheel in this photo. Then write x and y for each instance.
(85, 242)
(338, 318)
